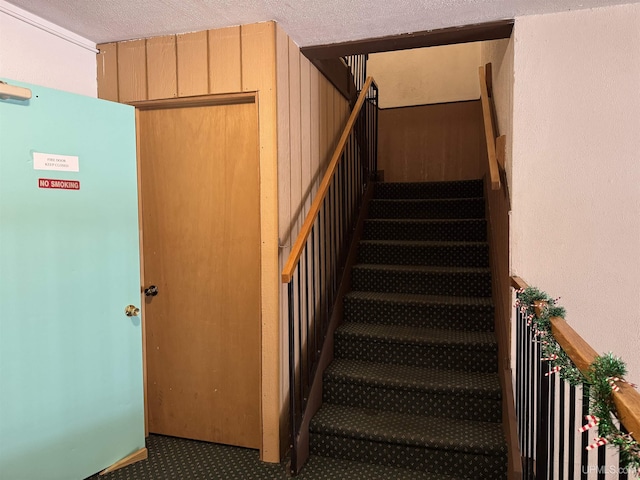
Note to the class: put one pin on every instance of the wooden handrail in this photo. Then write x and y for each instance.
(305, 230)
(518, 283)
(626, 400)
(489, 130)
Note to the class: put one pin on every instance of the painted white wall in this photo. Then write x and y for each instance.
(422, 76)
(575, 229)
(29, 54)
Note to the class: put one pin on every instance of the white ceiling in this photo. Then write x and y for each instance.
(308, 22)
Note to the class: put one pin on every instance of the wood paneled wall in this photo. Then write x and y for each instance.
(228, 60)
(431, 142)
(183, 65)
(311, 116)
(301, 116)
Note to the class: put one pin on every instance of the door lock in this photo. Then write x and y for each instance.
(151, 291)
(131, 311)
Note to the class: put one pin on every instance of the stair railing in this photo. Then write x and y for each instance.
(546, 404)
(316, 262)
(498, 207)
(495, 144)
(358, 66)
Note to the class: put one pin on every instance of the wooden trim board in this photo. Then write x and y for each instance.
(197, 101)
(135, 457)
(428, 38)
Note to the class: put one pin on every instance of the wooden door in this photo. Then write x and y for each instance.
(201, 249)
(71, 397)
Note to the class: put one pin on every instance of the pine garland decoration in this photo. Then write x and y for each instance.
(601, 376)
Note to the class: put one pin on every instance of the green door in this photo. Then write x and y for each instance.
(71, 395)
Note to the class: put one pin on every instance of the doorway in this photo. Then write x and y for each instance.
(200, 204)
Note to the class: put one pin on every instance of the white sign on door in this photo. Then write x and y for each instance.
(49, 161)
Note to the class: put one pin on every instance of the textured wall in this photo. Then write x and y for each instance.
(31, 55)
(576, 170)
(426, 75)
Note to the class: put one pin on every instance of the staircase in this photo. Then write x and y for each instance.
(413, 387)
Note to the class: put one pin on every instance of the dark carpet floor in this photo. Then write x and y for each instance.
(180, 459)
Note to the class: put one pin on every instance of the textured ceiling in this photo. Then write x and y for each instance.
(308, 22)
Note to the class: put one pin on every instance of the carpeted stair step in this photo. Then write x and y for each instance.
(413, 385)
(427, 208)
(413, 390)
(446, 313)
(435, 445)
(423, 280)
(412, 252)
(458, 350)
(327, 468)
(460, 230)
(456, 189)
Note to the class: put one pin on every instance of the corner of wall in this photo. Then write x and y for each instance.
(32, 54)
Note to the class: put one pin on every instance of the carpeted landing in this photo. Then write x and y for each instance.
(414, 382)
(180, 459)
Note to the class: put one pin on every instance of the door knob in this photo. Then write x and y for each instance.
(151, 291)
(131, 311)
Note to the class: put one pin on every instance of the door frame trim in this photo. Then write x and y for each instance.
(182, 102)
(196, 101)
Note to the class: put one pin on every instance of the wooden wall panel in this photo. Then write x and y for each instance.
(337, 116)
(258, 57)
(305, 133)
(225, 63)
(431, 142)
(161, 67)
(249, 58)
(247, 62)
(327, 97)
(322, 122)
(193, 63)
(314, 126)
(107, 66)
(295, 139)
(284, 215)
(284, 144)
(259, 74)
(132, 71)
(311, 115)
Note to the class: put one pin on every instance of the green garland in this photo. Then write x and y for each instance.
(600, 375)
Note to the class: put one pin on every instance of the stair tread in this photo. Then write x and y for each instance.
(442, 189)
(425, 229)
(405, 429)
(417, 200)
(435, 182)
(417, 298)
(408, 377)
(410, 380)
(423, 243)
(427, 220)
(421, 268)
(327, 467)
(416, 335)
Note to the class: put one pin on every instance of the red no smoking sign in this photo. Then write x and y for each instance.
(59, 184)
